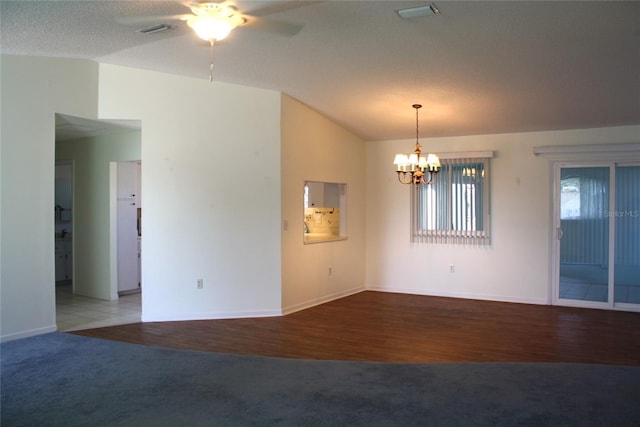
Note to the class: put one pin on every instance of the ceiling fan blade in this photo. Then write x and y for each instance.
(281, 6)
(147, 20)
(271, 26)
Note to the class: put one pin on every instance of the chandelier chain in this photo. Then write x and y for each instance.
(211, 43)
(417, 107)
(417, 126)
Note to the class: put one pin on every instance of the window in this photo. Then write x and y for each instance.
(455, 209)
(325, 212)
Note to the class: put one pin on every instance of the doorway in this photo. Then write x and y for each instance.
(90, 146)
(597, 229)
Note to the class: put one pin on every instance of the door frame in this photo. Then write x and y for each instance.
(71, 163)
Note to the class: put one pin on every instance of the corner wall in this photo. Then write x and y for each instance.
(316, 149)
(211, 189)
(515, 267)
(33, 90)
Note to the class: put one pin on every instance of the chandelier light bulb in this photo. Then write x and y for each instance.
(433, 161)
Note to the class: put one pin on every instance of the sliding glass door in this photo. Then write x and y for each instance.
(626, 277)
(597, 220)
(584, 233)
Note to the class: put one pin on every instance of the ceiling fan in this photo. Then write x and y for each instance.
(214, 21)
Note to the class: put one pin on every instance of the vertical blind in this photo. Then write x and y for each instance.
(585, 215)
(627, 217)
(454, 209)
(585, 230)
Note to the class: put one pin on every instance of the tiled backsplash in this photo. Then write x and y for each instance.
(323, 220)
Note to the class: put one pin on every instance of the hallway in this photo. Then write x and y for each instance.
(75, 312)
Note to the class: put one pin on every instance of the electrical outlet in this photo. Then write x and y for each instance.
(452, 268)
(200, 284)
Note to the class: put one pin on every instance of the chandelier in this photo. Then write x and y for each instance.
(415, 168)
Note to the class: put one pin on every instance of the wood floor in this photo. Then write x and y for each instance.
(376, 326)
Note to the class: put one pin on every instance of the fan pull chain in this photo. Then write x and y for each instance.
(211, 61)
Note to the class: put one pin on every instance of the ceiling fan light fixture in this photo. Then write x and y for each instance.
(214, 22)
(210, 28)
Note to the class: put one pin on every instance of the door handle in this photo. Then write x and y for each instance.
(560, 233)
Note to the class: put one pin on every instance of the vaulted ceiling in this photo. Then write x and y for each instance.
(478, 67)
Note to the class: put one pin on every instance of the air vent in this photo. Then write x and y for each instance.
(416, 12)
(154, 29)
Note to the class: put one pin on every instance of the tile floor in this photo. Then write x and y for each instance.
(594, 292)
(75, 312)
(590, 283)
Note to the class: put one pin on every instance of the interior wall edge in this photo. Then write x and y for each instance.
(322, 300)
(28, 333)
(479, 297)
(179, 317)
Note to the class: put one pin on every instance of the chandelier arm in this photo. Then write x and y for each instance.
(405, 177)
(432, 177)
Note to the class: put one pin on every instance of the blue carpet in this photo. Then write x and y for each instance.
(66, 380)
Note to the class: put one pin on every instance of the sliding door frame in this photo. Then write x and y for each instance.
(556, 236)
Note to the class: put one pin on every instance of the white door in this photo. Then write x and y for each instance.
(127, 180)
(128, 201)
(127, 246)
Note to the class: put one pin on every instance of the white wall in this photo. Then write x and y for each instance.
(91, 228)
(515, 267)
(33, 90)
(316, 149)
(211, 192)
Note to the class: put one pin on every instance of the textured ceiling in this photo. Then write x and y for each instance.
(478, 67)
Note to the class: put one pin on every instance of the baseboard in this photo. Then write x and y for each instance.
(244, 314)
(480, 297)
(328, 298)
(29, 333)
(323, 300)
(207, 316)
